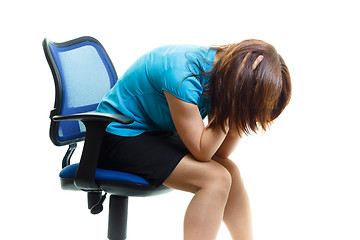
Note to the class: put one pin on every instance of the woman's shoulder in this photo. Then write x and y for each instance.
(179, 49)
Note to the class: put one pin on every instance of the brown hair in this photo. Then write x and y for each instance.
(244, 96)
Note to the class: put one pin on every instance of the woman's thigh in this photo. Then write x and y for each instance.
(190, 175)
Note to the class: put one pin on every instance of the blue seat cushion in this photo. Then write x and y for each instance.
(103, 174)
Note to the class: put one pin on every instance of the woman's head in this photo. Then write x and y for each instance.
(250, 86)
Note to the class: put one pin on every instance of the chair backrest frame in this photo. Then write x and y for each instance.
(58, 104)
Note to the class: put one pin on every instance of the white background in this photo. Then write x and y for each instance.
(302, 176)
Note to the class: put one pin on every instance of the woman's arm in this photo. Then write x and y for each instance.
(201, 141)
(228, 146)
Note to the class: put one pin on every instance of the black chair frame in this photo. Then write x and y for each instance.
(84, 179)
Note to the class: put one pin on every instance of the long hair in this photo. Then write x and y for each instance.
(248, 98)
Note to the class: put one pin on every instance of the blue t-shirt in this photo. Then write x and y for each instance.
(139, 92)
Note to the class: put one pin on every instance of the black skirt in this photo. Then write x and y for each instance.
(151, 155)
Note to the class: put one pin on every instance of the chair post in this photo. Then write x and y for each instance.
(118, 211)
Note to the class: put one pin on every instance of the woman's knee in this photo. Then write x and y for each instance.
(191, 175)
(232, 169)
(218, 178)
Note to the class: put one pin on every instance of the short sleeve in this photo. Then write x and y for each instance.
(186, 88)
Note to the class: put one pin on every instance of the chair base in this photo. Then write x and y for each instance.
(118, 207)
(118, 212)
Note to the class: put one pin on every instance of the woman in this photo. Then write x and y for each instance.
(242, 88)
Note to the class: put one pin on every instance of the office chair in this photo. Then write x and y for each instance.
(83, 73)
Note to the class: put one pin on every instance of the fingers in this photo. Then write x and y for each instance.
(257, 61)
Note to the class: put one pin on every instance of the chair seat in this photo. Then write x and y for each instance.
(114, 182)
(103, 174)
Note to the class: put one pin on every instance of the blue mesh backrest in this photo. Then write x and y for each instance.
(86, 76)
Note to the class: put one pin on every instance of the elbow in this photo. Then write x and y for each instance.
(201, 157)
(223, 156)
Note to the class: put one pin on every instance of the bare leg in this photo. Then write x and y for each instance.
(211, 184)
(237, 214)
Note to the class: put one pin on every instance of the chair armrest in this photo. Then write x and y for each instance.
(95, 124)
(94, 116)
